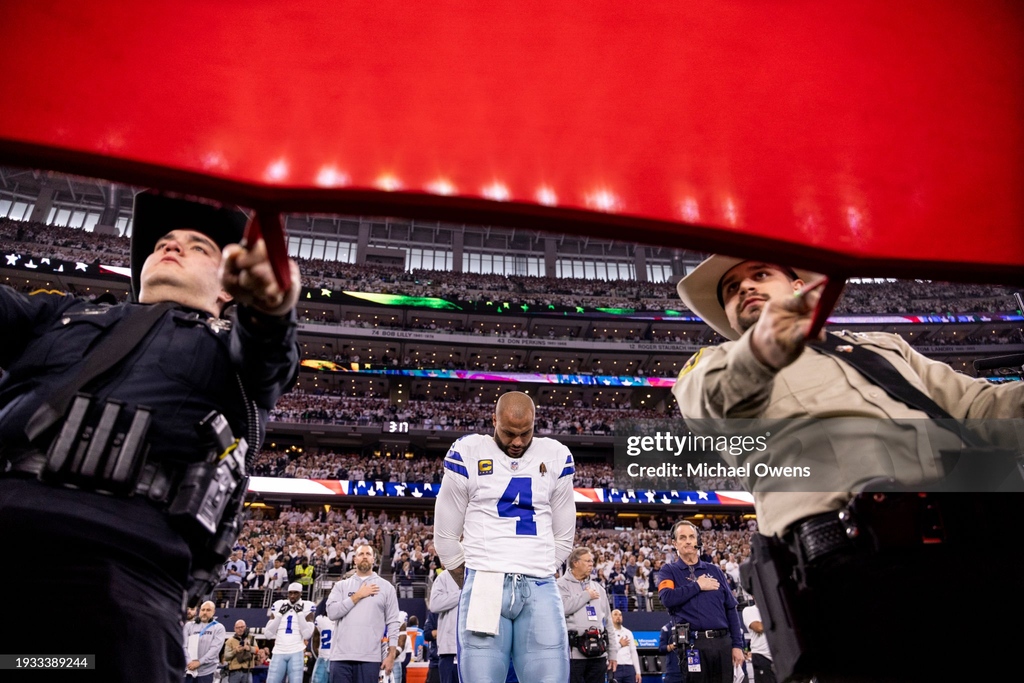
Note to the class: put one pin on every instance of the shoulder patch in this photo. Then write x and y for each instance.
(485, 467)
(692, 363)
(219, 325)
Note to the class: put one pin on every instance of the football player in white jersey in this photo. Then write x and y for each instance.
(322, 640)
(509, 498)
(289, 629)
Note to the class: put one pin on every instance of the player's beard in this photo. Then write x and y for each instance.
(365, 566)
(505, 448)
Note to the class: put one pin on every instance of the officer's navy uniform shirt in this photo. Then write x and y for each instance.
(184, 368)
(703, 610)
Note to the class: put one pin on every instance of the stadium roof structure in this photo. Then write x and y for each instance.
(855, 138)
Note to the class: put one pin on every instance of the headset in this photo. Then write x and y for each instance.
(696, 530)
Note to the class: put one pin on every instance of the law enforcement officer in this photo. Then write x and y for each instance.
(113, 465)
(697, 593)
(828, 540)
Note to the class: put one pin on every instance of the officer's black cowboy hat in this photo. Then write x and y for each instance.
(700, 291)
(157, 213)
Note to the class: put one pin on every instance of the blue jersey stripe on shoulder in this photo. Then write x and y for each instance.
(568, 459)
(457, 469)
(567, 471)
(454, 455)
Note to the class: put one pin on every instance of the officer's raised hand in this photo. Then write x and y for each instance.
(247, 276)
(780, 334)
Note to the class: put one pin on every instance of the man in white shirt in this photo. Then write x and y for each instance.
(732, 568)
(628, 669)
(760, 655)
(277, 576)
(236, 568)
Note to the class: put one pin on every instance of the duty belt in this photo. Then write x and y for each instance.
(155, 481)
(875, 522)
(710, 633)
(821, 535)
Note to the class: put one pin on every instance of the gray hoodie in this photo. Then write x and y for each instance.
(211, 639)
(362, 625)
(444, 601)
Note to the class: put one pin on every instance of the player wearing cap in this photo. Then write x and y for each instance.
(290, 629)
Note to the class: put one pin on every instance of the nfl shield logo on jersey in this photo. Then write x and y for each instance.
(514, 465)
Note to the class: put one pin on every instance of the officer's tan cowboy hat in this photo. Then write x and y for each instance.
(699, 291)
(157, 213)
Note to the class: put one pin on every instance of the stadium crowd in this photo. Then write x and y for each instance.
(301, 406)
(900, 296)
(624, 546)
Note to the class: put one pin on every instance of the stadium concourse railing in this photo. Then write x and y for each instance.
(235, 596)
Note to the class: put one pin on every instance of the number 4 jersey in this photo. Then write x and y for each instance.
(514, 515)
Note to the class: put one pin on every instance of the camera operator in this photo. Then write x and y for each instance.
(121, 425)
(588, 618)
(240, 654)
(672, 643)
(290, 630)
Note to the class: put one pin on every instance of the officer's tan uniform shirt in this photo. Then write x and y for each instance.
(727, 381)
